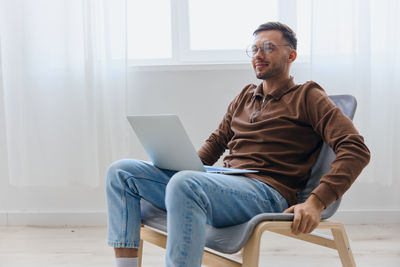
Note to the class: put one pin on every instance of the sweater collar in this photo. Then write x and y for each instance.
(276, 93)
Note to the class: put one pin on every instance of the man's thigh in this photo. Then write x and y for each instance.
(233, 199)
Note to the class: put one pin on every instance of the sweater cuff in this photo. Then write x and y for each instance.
(325, 194)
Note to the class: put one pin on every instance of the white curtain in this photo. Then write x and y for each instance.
(63, 84)
(63, 69)
(355, 50)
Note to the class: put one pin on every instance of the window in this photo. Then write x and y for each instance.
(223, 28)
(207, 31)
(149, 29)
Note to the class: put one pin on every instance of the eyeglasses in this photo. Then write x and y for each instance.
(267, 48)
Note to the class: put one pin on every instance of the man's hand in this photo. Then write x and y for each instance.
(307, 215)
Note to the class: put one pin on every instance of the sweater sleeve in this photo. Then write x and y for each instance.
(338, 131)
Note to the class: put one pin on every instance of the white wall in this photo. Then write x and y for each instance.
(200, 96)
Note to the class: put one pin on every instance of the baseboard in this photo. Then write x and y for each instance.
(53, 218)
(99, 218)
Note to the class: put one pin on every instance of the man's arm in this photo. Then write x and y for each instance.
(352, 155)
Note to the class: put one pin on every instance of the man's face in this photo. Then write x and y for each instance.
(275, 62)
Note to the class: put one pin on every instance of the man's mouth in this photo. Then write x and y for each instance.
(261, 65)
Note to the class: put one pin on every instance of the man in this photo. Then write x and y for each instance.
(276, 128)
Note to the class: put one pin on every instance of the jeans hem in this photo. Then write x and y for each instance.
(123, 245)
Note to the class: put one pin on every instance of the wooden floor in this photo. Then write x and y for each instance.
(373, 245)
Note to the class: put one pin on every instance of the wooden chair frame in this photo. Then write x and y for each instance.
(251, 250)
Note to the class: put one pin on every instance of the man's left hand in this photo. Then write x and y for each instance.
(307, 215)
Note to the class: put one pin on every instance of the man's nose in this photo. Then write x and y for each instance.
(259, 54)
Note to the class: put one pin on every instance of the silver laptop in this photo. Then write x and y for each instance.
(168, 145)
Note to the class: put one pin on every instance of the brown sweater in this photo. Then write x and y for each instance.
(281, 136)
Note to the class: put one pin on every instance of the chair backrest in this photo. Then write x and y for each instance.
(348, 105)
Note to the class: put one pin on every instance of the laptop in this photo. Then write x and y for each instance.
(168, 145)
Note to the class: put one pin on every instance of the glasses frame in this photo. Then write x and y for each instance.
(268, 47)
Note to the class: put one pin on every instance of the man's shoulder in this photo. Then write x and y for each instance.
(309, 89)
(308, 85)
(249, 89)
(246, 93)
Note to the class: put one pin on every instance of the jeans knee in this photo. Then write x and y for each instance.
(185, 189)
(183, 183)
(117, 170)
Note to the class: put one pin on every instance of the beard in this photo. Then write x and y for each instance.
(271, 71)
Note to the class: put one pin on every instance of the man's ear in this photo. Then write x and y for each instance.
(292, 56)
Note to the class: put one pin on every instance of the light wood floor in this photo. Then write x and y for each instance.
(373, 245)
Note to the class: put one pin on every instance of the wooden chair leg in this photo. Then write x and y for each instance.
(339, 242)
(251, 251)
(343, 246)
(140, 253)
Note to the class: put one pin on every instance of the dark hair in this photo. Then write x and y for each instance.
(288, 34)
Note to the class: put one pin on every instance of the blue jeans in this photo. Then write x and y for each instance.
(191, 199)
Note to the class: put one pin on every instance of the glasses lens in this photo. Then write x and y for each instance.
(268, 47)
(252, 51)
(249, 52)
